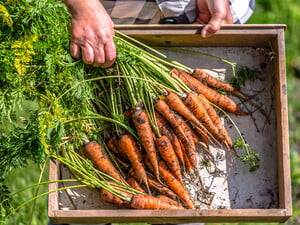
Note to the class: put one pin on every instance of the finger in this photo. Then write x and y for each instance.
(75, 51)
(214, 24)
(99, 57)
(87, 54)
(110, 54)
(229, 17)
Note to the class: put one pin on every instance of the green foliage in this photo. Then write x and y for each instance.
(249, 158)
(20, 178)
(20, 145)
(6, 206)
(243, 74)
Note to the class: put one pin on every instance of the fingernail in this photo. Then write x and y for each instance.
(204, 34)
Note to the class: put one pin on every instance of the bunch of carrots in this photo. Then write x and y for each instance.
(169, 116)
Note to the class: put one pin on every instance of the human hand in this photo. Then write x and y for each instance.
(213, 13)
(91, 33)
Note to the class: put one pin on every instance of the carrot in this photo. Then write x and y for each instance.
(110, 198)
(156, 185)
(175, 185)
(166, 130)
(144, 131)
(166, 150)
(95, 153)
(187, 163)
(194, 103)
(212, 82)
(215, 118)
(218, 99)
(180, 129)
(149, 202)
(169, 200)
(134, 184)
(175, 103)
(129, 146)
(112, 144)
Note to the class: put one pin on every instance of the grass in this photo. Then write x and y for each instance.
(266, 12)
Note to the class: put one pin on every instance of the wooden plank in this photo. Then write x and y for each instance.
(53, 197)
(168, 216)
(190, 40)
(189, 35)
(284, 177)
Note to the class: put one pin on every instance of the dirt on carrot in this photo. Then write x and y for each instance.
(175, 185)
(218, 99)
(168, 154)
(150, 202)
(129, 146)
(166, 130)
(94, 152)
(144, 131)
(180, 129)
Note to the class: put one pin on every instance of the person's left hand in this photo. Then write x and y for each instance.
(213, 13)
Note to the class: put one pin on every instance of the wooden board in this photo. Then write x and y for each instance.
(241, 36)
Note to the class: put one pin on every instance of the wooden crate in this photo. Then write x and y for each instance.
(229, 37)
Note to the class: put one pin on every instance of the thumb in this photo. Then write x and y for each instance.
(213, 25)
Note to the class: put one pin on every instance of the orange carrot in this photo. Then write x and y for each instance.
(156, 185)
(166, 150)
(218, 99)
(110, 198)
(215, 118)
(180, 129)
(166, 130)
(149, 202)
(194, 103)
(134, 184)
(112, 144)
(175, 185)
(144, 131)
(129, 146)
(187, 163)
(175, 103)
(95, 153)
(169, 200)
(212, 82)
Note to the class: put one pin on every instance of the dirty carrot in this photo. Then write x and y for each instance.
(218, 99)
(212, 82)
(111, 144)
(215, 118)
(150, 202)
(175, 103)
(94, 152)
(156, 185)
(111, 198)
(180, 129)
(134, 184)
(187, 163)
(175, 185)
(168, 154)
(144, 131)
(166, 130)
(193, 102)
(129, 146)
(169, 200)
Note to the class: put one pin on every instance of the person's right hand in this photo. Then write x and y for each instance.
(213, 13)
(91, 33)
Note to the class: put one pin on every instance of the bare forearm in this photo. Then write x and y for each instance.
(81, 7)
